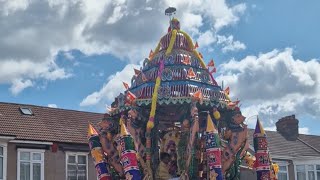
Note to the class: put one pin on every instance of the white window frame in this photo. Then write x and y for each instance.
(69, 153)
(284, 163)
(5, 156)
(41, 151)
(306, 163)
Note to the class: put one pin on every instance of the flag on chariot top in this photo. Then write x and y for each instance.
(126, 85)
(211, 63)
(233, 104)
(227, 90)
(151, 54)
(196, 45)
(136, 71)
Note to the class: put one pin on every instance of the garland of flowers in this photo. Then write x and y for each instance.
(172, 41)
(191, 47)
(150, 123)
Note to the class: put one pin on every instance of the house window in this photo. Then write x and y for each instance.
(26, 111)
(308, 172)
(301, 172)
(311, 172)
(283, 172)
(1, 163)
(77, 166)
(30, 164)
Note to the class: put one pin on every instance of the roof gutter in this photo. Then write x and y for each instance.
(31, 142)
(8, 138)
(294, 157)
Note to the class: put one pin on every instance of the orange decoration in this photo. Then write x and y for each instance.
(186, 60)
(211, 63)
(233, 104)
(198, 96)
(191, 73)
(227, 90)
(137, 72)
(151, 54)
(125, 85)
(196, 45)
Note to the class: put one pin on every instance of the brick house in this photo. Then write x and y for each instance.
(42, 143)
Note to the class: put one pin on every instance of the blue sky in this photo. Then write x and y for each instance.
(74, 54)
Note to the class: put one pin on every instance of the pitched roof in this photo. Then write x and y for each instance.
(47, 124)
(279, 146)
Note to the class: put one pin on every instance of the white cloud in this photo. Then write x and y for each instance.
(191, 22)
(8, 7)
(32, 33)
(52, 105)
(228, 44)
(112, 88)
(117, 15)
(18, 85)
(273, 85)
(304, 130)
(206, 38)
(20, 73)
(217, 11)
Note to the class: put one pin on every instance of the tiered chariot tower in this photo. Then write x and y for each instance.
(173, 105)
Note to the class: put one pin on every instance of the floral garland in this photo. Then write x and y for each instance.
(191, 47)
(172, 41)
(150, 123)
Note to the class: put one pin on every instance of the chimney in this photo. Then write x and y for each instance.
(288, 127)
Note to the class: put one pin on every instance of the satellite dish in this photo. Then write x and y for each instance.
(169, 11)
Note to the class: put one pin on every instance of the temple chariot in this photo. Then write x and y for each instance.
(176, 122)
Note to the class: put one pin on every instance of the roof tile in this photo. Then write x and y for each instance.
(47, 124)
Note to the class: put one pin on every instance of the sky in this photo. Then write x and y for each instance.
(75, 54)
